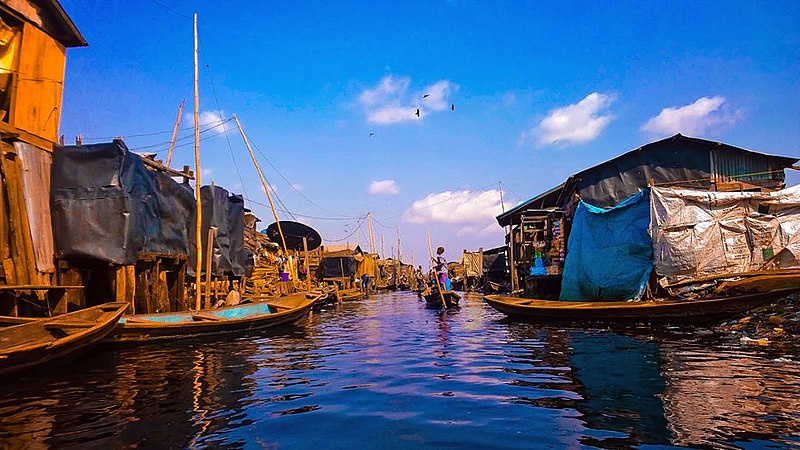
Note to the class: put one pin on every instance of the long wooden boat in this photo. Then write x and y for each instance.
(141, 328)
(38, 341)
(433, 300)
(671, 311)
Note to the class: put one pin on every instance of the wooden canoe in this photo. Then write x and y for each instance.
(433, 300)
(350, 294)
(39, 341)
(671, 311)
(140, 328)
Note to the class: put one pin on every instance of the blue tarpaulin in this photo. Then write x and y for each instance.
(609, 253)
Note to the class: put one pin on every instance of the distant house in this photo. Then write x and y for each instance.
(540, 226)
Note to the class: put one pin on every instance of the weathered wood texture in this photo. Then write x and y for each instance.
(36, 102)
(36, 191)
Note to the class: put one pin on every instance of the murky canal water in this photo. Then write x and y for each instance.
(387, 373)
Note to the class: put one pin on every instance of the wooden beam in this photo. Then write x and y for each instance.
(8, 132)
(169, 171)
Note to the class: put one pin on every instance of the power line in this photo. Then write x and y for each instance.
(224, 129)
(291, 185)
(170, 9)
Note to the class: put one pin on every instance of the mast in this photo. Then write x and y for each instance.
(383, 247)
(500, 187)
(198, 301)
(371, 233)
(398, 242)
(265, 186)
(175, 133)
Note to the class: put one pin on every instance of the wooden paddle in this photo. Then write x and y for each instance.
(438, 284)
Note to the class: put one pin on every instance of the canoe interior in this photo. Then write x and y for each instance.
(49, 329)
(234, 312)
(52, 338)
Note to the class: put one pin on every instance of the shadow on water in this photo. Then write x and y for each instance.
(385, 372)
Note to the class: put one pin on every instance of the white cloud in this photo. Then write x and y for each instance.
(576, 123)
(707, 114)
(390, 101)
(383, 187)
(475, 208)
(210, 120)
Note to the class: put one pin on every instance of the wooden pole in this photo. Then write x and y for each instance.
(264, 185)
(513, 268)
(212, 234)
(198, 202)
(305, 263)
(175, 133)
(371, 234)
(438, 284)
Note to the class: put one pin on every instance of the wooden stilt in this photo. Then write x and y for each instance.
(212, 234)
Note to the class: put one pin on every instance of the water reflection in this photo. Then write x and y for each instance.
(388, 373)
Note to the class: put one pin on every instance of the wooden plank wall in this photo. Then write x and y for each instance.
(36, 187)
(36, 106)
(4, 249)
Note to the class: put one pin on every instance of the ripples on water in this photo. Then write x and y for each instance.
(387, 373)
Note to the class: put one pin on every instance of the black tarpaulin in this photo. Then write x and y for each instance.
(215, 214)
(339, 266)
(106, 205)
(236, 233)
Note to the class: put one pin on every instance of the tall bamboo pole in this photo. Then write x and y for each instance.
(198, 302)
(266, 188)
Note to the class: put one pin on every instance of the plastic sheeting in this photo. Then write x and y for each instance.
(106, 205)
(610, 252)
(473, 263)
(226, 214)
(698, 234)
(338, 266)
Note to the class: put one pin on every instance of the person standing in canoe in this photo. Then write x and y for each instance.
(441, 269)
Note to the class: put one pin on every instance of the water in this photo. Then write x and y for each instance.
(387, 373)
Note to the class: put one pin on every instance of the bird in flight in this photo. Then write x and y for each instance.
(452, 107)
(426, 95)
(370, 135)
(417, 113)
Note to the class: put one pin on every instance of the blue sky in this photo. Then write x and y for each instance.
(328, 93)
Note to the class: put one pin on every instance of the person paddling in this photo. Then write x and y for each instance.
(441, 268)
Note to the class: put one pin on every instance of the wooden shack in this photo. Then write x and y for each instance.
(539, 227)
(34, 36)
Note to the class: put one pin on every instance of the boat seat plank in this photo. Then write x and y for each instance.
(70, 324)
(201, 316)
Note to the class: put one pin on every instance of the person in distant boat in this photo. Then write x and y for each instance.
(420, 278)
(441, 269)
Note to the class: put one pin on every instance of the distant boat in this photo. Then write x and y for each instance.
(669, 311)
(207, 322)
(433, 300)
(38, 341)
